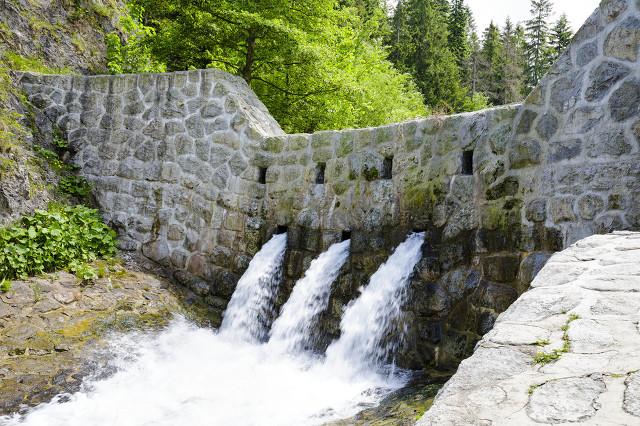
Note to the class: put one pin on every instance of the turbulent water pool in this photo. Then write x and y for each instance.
(191, 376)
(249, 373)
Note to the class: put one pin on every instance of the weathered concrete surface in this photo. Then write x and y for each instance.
(587, 296)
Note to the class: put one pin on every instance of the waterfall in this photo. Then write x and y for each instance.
(190, 376)
(293, 330)
(366, 322)
(251, 307)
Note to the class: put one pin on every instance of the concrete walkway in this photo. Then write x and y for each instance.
(567, 351)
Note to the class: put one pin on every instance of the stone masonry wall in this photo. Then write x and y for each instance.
(178, 162)
(168, 156)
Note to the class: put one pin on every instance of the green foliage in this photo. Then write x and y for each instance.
(61, 237)
(83, 271)
(460, 28)
(11, 131)
(60, 142)
(561, 36)
(491, 70)
(475, 102)
(421, 47)
(5, 285)
(537, 36)
(370, 174)
(70, 183)
(51, 158)
(514, 59)
(543, 358)
(17, 62)
(76, 186)
(132, 53)
(315, 64)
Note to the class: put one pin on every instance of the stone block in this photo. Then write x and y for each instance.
(157, 251)
(561, 209)
(211, 110)
(530, 266)
(589, 205)
(624, 103)
(565, 92)
(547, 126)
(508, 187)
(613, 143)
(622, 42)
(584, 119)
(587, 53)
(526, 122)
(536, 210)
(603, 78)
(609, 222)
(500, 268)
(564, 150)
(524, 153)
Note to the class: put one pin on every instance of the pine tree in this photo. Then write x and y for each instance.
(459, 34)
(420, 46)
(561, 36)
(514, 61)
(491, 70)
(537, 36)
(473, 63)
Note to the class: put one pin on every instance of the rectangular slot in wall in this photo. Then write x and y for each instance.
(320, 168)
(387, 168)
(467, 163)
(262, 175)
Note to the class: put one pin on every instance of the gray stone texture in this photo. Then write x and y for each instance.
(584, 299)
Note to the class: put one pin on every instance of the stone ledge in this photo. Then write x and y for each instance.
(583, 310)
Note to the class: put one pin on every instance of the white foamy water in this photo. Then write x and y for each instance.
(363, 343)
(251, 307)
(293, 330)
(189, 376)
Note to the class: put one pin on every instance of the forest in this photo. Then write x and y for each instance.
(331, 64)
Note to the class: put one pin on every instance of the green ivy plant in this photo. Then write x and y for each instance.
(76, 186)
(62, 237)
(84, 272)
(70, 183)
(5, 285)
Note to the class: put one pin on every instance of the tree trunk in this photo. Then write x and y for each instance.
(247, 70)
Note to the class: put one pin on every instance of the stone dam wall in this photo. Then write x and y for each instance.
(194, 172)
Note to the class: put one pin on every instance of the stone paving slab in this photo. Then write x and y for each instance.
(584, 305)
